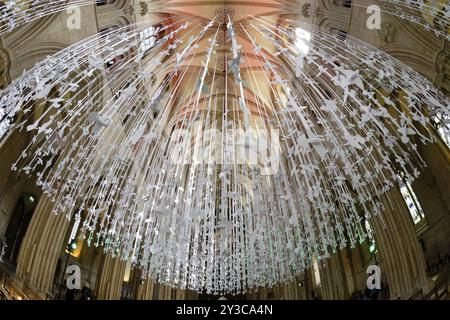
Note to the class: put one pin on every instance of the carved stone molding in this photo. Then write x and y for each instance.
(306, 10)
(144, 8)
(387, 32)
(220, 61)
(129, 10)
(4, 69)
(443, 69)
(221, 38)
(240, 31)
(220, 83)
(153, 79)
(222, 14)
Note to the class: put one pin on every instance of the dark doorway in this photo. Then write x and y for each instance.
(17, 227)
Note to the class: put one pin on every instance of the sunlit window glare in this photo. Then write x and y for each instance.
(127, 275)
(148, 38)
(442, 123)
(302, 39)
(369, 230)
(411, 202)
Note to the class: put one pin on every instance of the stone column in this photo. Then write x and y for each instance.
(115, 14)
(169, 293)
(290, 290)
(401, 257)
(110, 279)
(41, 247)
(145, 291)
(437, 159)
(333, 281)
(432, 189)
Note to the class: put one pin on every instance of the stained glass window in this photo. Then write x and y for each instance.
(411, 202)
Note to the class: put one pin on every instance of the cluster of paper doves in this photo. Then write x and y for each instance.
(349, 118)
(431, 15)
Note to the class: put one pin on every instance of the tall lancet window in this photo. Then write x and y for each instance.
(370, 239)
(148, 38)
(411, 201)
(302, 40)
(4, 125)
(369, 231)
(442, 124)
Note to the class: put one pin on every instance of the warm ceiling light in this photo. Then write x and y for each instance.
(302, 40)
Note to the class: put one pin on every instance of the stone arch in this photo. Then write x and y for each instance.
(409, 55)
(17, 226)
(35, 53)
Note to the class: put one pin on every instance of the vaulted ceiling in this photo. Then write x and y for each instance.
(243, 15)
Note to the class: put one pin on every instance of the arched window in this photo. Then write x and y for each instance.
(4, 125)
(442, 122)
(316, 272)
(371, 240)
(347, 3)
(415, 210)
(369, 231)
(343, 3)
(340, 34)
(99, 3)
(148, 38)
(17, 227)
(302, 40)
